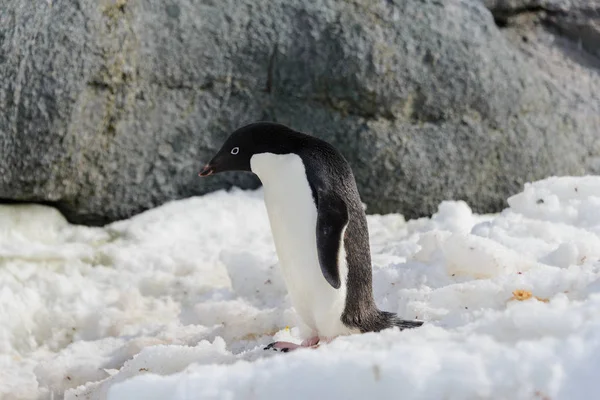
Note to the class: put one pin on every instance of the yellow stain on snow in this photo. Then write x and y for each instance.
(521, 295)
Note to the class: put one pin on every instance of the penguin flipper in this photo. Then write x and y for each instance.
(332, 218)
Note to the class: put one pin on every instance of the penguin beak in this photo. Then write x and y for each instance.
(207, 170)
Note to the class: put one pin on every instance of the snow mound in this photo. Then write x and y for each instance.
(178, 302)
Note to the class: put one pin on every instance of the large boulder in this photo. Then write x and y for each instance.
(111, 107)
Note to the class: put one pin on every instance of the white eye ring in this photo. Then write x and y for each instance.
(235, 150)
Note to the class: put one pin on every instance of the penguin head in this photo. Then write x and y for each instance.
(256, 138)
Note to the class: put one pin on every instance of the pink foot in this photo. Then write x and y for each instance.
(285, 347)
(313, 341)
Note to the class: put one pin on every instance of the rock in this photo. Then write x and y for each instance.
(111, 107)
(516, 6)
(580, 28)
(578, 20)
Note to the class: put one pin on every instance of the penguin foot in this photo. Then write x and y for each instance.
(311, 342)
(282, 347)
(285, 347)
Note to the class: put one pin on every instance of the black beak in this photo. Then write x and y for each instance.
(207, 170)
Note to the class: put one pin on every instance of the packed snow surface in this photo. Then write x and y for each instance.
(178, 303)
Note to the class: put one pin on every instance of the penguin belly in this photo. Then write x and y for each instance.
(293, 219)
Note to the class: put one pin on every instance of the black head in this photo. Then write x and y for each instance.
(260, 137)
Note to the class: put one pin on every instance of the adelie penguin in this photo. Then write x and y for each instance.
(318, 225)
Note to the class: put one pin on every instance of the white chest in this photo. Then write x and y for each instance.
(293, 219)
(290, 206)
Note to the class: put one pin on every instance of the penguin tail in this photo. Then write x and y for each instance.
(394, 320)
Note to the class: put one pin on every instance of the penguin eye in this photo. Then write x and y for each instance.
(235, 150)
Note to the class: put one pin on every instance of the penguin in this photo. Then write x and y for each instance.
(319, 228)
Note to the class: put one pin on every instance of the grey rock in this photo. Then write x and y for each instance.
(581, 28)
(557, 6)
(577, 20)
(111, 107)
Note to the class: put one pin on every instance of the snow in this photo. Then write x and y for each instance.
(177, 303)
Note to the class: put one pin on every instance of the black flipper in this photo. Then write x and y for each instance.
(332, 218)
